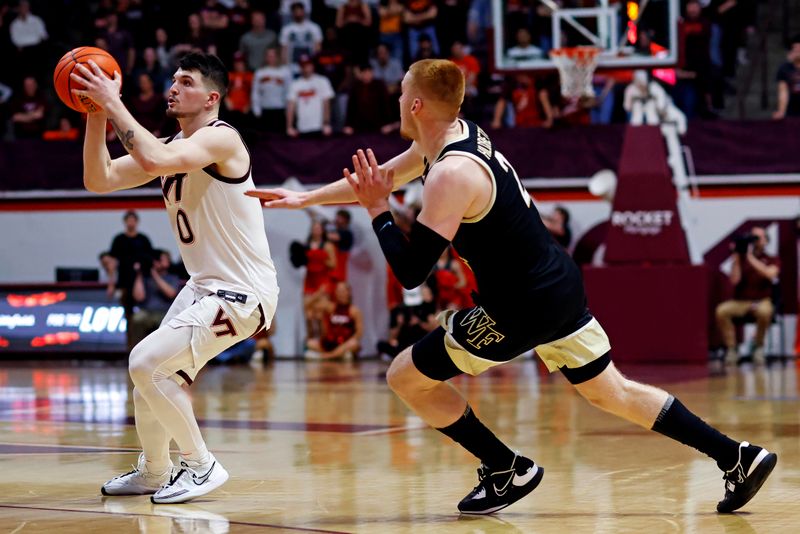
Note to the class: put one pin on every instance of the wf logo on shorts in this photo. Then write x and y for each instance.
(479, 328)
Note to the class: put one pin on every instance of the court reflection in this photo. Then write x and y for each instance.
(776, 381)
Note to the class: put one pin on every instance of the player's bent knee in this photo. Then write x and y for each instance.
(403, 376)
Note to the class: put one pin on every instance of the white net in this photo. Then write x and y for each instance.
(575, 68)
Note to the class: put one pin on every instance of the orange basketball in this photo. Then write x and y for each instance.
(64, 83)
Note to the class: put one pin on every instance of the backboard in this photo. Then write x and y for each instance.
(630, 33)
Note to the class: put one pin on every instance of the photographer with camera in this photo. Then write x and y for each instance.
(753, 275)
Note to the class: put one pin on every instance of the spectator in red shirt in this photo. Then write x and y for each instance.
(237, 101)
(341, 334)
(471, 68)
(525, 100)
(753, 275)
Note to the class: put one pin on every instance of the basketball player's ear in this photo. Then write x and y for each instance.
(213, 99)
(416, 106)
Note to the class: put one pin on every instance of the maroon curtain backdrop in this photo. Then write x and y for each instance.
(720, 147)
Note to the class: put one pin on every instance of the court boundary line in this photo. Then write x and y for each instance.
(135, 514)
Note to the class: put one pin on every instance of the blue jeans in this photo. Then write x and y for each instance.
(413, 40)
(394, 41)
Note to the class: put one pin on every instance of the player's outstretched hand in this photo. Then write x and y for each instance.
(374, 185)
(279, 198)
(97, 85)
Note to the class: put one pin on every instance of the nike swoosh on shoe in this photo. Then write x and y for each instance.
(202, 479)
(527, 477)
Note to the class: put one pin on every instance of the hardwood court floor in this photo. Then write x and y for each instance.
(326, 447)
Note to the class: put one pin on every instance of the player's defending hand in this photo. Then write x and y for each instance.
(97, 85)
(279, 198)
(373, 186)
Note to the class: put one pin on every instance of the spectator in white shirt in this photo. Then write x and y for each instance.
(27, 29)
(524, 51)
(270, 86)
(309, 102)
(28, 34)
(299, 37)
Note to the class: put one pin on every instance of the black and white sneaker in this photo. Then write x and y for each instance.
(498, 489)
(744, 480)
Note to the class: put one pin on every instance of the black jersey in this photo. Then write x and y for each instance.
(518, 265)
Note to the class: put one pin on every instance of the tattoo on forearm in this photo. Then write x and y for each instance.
(126, 138)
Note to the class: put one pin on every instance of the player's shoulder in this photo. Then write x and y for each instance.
(455, 169)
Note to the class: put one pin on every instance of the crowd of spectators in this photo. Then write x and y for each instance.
(322, 67)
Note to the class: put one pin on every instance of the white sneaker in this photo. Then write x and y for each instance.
(137, 482)
(192, 480)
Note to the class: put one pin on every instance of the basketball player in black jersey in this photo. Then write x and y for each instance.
(530, 295)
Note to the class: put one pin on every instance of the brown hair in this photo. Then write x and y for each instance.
(441, 80)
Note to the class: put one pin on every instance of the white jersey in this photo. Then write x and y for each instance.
(220, 233)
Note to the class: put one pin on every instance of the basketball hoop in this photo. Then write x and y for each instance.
(575, 68)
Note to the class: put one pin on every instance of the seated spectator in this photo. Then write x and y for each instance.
(789, 83)
(753, 275)
(300, 37)
(557, 223)
(523, 51)
(354, 22)
(368, 103)
(148, 105)
(236, 106)
(255, 43)
(269, 93)
(341, 334)
(308, 107)
(108, 272)
(391, 28)
(410, 320)
(28, 111)
(153, 293)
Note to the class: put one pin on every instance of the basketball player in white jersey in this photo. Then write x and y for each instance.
(233, 290)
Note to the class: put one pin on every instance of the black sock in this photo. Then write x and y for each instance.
(471, 434)
(677, 422)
